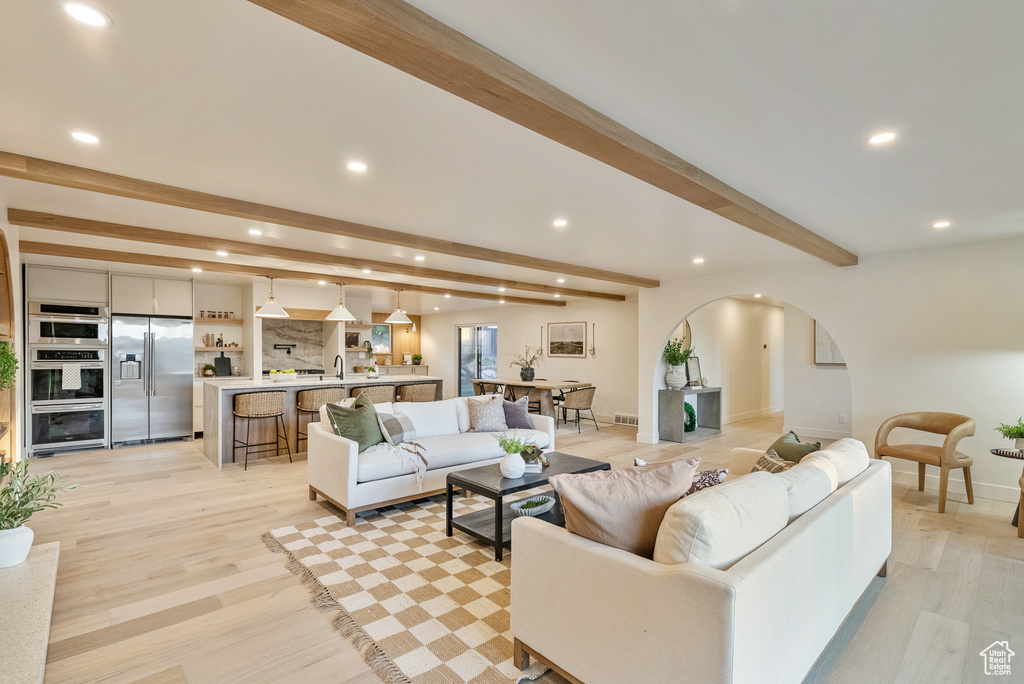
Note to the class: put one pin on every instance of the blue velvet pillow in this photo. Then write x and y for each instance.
(517, 414)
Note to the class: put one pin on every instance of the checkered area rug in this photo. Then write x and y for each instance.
(421, 608)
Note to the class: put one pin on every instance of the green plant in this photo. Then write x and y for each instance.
(511, 443)
(531, 452)
(417, 357)
(209, 366)
(8, 366)
(528, 359)
(25, 495)
(674, 353)
(1012, 431)
(534, 503)
(690, 424)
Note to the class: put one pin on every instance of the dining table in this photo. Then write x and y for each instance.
(514, 388)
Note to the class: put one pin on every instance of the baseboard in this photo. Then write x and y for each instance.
(815, 432)
(757, 413)
(956, 484)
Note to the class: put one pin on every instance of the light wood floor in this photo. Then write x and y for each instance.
(163, 577)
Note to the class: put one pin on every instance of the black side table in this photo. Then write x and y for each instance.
(1018, 455)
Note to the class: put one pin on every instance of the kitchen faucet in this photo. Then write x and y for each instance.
(341, 370)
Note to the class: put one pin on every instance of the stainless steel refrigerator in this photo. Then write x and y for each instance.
(151, 378)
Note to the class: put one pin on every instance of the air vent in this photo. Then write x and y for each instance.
(625, 419)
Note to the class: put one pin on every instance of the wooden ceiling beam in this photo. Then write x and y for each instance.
(49, 249)
(411, 40)
(81, 226)
(66, 175)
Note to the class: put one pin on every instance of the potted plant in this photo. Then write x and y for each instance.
(371, 371)
(209, 370)
(20, 497)
(512, 465)
(526, 362)
(416, 359)
(675, 358)
(1014, 432)
(8, 366)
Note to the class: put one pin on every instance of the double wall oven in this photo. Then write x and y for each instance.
(68, 376)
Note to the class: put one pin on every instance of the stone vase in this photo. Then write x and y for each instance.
(512, 466)
(15, 545)
(675, 377)
(1019, 444)
(527, 374)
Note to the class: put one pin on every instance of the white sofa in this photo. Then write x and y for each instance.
(377, 477)
(600, 614)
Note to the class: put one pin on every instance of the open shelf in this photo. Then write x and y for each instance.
(229, 321)
(223, 349)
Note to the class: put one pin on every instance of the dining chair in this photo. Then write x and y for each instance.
(579, 400)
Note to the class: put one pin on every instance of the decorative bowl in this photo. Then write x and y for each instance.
(283, 377)
(547, 501)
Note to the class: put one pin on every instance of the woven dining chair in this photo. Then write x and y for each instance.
(251, 405)
(579, 400)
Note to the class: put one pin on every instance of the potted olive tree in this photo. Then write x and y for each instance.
(1014, 432)
(675, 358)
(21, 496)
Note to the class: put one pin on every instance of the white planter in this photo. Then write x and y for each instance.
(512, 466)
(1019, 444)
(675, 377)
(15, 545)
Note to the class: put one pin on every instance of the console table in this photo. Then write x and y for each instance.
(672, 415)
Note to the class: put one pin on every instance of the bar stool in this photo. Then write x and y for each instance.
(251, 405)
(378, 394)
(309, 402)
(419, 392)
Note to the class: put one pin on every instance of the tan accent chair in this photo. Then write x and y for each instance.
(946, 457)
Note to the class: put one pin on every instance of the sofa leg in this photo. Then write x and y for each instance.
(968, 485)
(920, 477)
(350, 518)
(943, 484)
(520, 656)
(884, 571)
(312, 494)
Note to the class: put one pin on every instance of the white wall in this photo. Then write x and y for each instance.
(932, 329)
(740, 348)
(13, 266)
(815, 395)
(612, 370)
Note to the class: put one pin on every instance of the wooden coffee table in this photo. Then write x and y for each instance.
(495, 527)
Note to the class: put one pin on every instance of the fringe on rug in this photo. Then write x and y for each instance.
(372, 654)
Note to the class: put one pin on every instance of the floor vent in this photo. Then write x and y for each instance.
(625, 419)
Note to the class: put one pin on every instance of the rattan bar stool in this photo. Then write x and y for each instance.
(378, 394)
(419, 392)
(251, 405)
(309, 402)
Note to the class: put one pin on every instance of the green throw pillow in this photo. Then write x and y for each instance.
(790, 448)
(358, 422)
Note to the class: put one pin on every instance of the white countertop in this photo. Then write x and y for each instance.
(314, 381)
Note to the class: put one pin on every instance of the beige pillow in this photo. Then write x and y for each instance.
(624, 508)
(487, 415)
(721, 525)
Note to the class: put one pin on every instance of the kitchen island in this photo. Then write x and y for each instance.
(218, 399)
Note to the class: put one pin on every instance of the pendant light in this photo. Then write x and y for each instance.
(340, 313)
(271, 309)
(399, 315)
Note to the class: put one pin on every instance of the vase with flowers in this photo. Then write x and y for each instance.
(526, 362)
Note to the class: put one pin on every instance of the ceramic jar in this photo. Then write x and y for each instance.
(512, 466)
(15, 545)
(675, 377)
(527, 374)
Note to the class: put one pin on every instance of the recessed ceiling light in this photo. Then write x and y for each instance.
(699, 260)
(255, 231)
(437, 308)
(420, 257)
(757, 295)
(561, 223)
(880, 138)
(557, 296)
(221, 253)
(501, 289)
(87, 15)
(447, 296)
(197, 270)
(356, 166)
(367, 271)
(321, 282)
(940, 224)
(82, 136)
(561, 280)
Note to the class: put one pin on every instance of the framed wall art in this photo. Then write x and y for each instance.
(567, 340)
(380, 338)
(826, 351)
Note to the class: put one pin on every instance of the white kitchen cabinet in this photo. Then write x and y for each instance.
(150, 296)
(197, 406)
(48, 284)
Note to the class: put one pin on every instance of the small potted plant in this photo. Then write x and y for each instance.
(675, 358)
(371, 371)
(209, 370)
(534, 457)
(512, 465)
(20, 497)
(8, 366)
(416, 359)
(1014, 432)
(526, 362)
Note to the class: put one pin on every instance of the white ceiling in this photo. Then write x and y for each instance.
(775, 99)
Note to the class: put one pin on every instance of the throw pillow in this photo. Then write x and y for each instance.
(708, 478)
(487, 415)
(358, 422)
(517, 414)
(772, 463)
(396, 428)
(790, 448)
(623, 508)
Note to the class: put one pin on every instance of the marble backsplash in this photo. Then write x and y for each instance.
(307, 336)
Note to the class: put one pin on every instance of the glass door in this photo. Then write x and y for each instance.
(477, 347)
